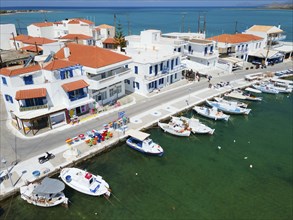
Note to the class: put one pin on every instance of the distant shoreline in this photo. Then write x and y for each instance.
(9, 12)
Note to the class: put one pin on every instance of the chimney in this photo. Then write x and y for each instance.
(66, 52)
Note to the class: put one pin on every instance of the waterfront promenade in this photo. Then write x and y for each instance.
(143, 112)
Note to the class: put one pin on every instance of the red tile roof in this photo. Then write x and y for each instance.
(76, 36)
(59, 64)
(79, 84)
(33, 40)
(235, 38)
(110, 40)
(43, 24)
(32, 48)
(13, 71)
(91, 56)
(78, 20)
(30, 93)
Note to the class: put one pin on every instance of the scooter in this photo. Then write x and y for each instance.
(45, 158)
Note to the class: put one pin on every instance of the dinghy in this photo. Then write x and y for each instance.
(175, 129)
(212, 113)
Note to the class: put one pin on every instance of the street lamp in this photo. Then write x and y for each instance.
(8, 173)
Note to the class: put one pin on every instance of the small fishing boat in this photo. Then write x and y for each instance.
(195, 125)
(212, 113)
(231, 109)
(85, 182)
(243, 96)
(46, 193)
(232, 103)
(175, 129)
(141, 142)
(266, 89)
(249, 89)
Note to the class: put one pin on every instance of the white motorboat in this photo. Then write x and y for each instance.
(175, 129)
(266, 89)
(46, 193)
(249, 89)
(141, 142)
(232, 103)
(212, 113)
(85, 182)
(195, 125)
(243, 96)
(231, 109)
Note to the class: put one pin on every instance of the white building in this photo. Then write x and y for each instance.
(237, 45)
(105, 70)
(6, 32)
(42, 29)
(271, 34)
(203, 52)
(37, 97)
(156, 61)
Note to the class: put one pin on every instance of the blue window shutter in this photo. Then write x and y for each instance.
(11, 100)
(136, 69)
(4, 81)
(71, 73)
(137, 85)
(151, 69)
(62, 74)
(7, 97)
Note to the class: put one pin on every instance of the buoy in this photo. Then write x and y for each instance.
(245, 158)
(234, 141)
(219, 147)
(96, 213)
(249, 142)
(250, 166)
(136, 174)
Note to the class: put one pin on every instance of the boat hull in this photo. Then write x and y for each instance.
(75, 178)
(167, 128)
(142, 150)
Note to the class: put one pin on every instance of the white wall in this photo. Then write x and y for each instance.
(6, 31)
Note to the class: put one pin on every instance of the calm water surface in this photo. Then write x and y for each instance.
(194, 179)
(134, 20)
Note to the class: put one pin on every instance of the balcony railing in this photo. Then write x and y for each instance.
(76, 97)
(110, 75)
(30, 108)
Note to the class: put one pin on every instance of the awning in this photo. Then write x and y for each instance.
(139, 135)
(266, 53)
(30, 94)
(68, 87)
(49, 186)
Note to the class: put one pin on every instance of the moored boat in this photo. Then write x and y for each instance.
(85, 182)
(232, 103)
(266, 89)
(175, 129)
(46, 193)
(211, 113)
(231, 109)
(243, 96)
(141, 142)
(195, 125)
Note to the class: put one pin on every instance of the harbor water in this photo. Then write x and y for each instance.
(242, 171)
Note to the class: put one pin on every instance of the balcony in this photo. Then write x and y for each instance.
(109, 78)
(31, 108)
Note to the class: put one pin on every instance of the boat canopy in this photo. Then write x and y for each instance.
(49, 186)
(139, 135)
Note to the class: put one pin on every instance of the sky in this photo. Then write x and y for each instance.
(135, 3)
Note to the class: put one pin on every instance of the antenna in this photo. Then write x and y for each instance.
(236, 27)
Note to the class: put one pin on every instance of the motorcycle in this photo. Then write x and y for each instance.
(45, 158)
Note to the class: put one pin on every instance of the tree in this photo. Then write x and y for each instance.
(119, 36)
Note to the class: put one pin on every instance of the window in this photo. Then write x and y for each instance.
(28, 80)
(4, 81)
(8, 98)
(161, 66)
(205, 50)
(156, 69)
(161, 81)
(151, 69)
(211, 49)
(127, 81)
(179, 49)
(126, 66)
(175, 76)
(136, 70)
(137, 85)
(176, 62)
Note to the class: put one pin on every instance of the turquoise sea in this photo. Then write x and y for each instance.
(194, 179)
(134, 20)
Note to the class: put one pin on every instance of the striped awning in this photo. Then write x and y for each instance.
(30, 94)
(79, 84)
